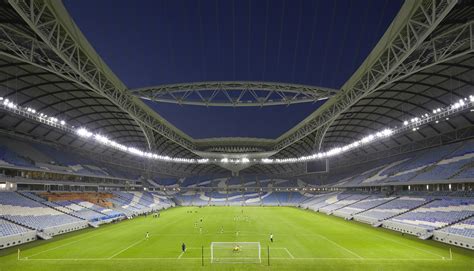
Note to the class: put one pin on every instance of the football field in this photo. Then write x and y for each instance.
(303, 240)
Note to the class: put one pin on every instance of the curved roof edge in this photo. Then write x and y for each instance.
(398, 22)
(74, 31)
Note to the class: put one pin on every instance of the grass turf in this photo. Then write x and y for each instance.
(303, 241)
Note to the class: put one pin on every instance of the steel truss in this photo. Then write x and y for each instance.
(75, 62)
(405, 55)
(409, 52)
(234, 93)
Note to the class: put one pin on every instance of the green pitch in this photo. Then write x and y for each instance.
(302, 240)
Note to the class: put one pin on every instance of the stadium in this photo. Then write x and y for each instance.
(236, 135)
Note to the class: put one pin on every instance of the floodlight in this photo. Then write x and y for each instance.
(102, 139)
(83, 132)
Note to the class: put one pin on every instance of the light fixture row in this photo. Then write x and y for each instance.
(82, 132)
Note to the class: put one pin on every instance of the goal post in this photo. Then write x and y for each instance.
(236, 252)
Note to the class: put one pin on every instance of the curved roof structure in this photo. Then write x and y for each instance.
(405, 76)
(424, 61)
(234, 93)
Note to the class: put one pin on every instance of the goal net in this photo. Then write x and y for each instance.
(235, 252)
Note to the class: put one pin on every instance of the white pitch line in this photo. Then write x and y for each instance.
(420, 249)
(363, 259)
(395, 241)
(207, 258)
(63, 245)
(81, 239)
(125, 249)
(287, 251)
(350, 251)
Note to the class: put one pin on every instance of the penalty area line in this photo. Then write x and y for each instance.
(63, 245)
(287, 251)
(127, 248)
(336, 244)
(88, 235)
(413, 247)
(182, 253)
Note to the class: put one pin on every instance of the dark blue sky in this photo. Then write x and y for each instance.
(152, 42)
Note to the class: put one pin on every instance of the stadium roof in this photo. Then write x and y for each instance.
(423, 62)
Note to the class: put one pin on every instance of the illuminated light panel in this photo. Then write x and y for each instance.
(412, 124)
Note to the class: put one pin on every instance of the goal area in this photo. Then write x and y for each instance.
(235, 252)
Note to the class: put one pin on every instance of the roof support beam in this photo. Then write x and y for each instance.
(41, 17)
(406, 53)
(234, 93)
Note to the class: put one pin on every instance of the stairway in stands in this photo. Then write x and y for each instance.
(349, 204)
(334, 202)
(455, 222)
(409, 210)
(99, 212)
(176, 201)
(434, 164)
(290, 196)
(375, 206)
(14, 222)
(465, 167)
(49, 204)
(40, 234)
(131, 202)
(227, 196)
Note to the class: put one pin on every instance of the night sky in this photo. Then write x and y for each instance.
(153, 42)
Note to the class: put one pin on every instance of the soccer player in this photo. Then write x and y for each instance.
(222, 229)
(147, 235)
(271, 237)
(183, 247)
